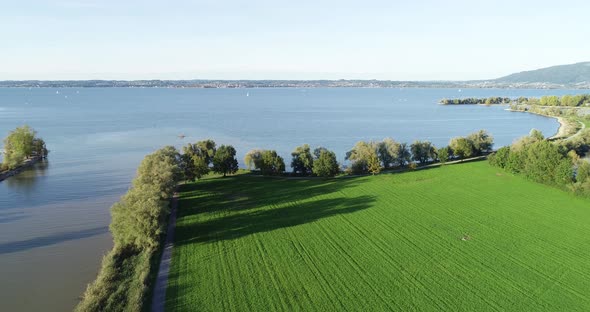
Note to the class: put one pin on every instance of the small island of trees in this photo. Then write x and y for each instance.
(22, 147)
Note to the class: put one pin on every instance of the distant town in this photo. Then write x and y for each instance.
(198, 83)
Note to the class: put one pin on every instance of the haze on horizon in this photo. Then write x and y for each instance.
(394, 40)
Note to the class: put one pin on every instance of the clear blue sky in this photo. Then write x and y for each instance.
(399, 40)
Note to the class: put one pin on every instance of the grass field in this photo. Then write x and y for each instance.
(458, 238)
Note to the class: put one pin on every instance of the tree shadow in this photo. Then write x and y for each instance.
(28, 178)
(52, 239)
(7, 216)
(244, 205)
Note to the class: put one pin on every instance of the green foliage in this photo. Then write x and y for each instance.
(122, 283)
(443, 154)
(423, 151)
(389, 152)
(477, 143)
(404, 155)
(160, 169)
(248, 243)
(197, 158)
(137, 225)
(326, 165)
(20, 144)
(462, 147)
(267, 161)
(537, 159)
(482, 142)
(253, 159)
(500, 157)
(272, 163)
(302, 161)
(583, 171)
(138, 218)
(363, 157)
(224, 161)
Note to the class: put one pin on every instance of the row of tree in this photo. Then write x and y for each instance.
(200, 158)
(139, 219)
(372, 157)
(548, 100)
(321, 162)
(546, 162)
(471, 100)
(21, 144)
(138, 223)
(368, 157)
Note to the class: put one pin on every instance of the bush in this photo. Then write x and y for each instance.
(500, 158)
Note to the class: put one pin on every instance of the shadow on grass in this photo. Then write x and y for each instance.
(243, 205)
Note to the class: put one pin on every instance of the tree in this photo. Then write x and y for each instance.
(500, 158)
(20, 144)
(482, 142)
(389, 152)
(197, 158)
(267, 161)
(225, 161)
(272, 163)
(326, 165)
(423, 151)
(253, 159)
(302, 161)
(318, 151)
(403, 154)
(363, 157)
(462, 147)
(160, 169)
(443, 154)
(545, 164)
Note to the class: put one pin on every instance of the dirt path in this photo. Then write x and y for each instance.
(159, 295)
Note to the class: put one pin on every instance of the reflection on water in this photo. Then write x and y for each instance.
(26, 180)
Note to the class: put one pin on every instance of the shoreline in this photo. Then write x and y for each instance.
(561, 130)
(27, 164)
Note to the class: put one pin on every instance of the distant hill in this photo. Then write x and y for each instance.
(561, 74)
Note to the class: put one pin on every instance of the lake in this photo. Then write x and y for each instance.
(54, 218)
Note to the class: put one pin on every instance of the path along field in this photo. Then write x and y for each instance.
(464, 237)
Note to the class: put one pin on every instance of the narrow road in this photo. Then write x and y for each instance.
(159, 296)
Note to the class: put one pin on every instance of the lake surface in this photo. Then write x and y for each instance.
(54, 218)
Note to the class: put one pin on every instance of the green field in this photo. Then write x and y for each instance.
(463, 237)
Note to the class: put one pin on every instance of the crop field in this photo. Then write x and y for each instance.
(465, 237)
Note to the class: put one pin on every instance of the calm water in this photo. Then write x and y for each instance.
(54, 219)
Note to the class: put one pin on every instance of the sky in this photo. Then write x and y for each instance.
(216, 39)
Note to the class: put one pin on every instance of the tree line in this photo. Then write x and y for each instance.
(547, 100)
(542, 161)
(20, 145)
(139, 220)
(368, 156)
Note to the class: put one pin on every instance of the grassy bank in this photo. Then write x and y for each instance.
(455, 238)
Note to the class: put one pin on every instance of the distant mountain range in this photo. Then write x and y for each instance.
(575, 76)
(571, 74)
